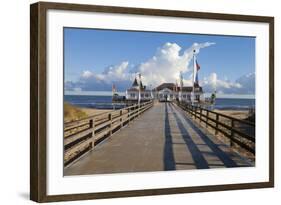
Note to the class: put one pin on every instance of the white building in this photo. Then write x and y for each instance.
(164, 92)
(133, 92)
(170, 92)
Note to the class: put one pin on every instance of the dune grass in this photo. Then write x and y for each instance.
(72, 113)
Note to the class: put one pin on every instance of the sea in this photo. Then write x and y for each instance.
(105, 102)
(92, 101)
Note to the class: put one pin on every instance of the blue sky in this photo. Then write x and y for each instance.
(92, 56)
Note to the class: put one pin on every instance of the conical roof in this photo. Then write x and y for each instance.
(135, 83)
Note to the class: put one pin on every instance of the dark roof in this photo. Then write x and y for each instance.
(172, 86)
(135, 83)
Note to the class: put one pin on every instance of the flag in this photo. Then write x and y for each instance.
(196, 68)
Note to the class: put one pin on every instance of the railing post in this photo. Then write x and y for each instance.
(200, 114)
(195, 109)
(231, 132)
(110, 124)
(136, 111)
(207, 117)
(92, 125)
(217, 124)
(121, 123)
(128, 110)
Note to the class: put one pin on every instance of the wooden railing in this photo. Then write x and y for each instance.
(82, 135)
(239, 132)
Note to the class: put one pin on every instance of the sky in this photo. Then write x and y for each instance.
(95, 59)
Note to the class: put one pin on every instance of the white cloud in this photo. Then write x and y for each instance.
(198, 46)
(243, 85)
(167, 63)
(164, 66)
(109, 75)
(87, 74)
(248, 83)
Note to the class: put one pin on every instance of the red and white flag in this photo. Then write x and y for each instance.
(196, 68)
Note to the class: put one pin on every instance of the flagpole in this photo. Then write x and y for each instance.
(193, 96)
(113, 96)
(139, 90)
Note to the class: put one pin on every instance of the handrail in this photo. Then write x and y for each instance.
(244, 140)
(82, 135)
(223, 115)
(67, 124)
(229, 117)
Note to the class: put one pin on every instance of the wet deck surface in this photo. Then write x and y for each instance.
(163, 138)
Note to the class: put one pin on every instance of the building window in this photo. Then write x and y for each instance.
(160, 95)
(142, 95)
(146, 95)
(183, 96)
(132, 95)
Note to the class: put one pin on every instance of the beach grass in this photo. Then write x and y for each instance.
(72, 113)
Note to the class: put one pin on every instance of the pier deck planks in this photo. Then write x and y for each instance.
(163, 138)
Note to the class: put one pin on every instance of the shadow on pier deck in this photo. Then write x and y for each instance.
(163, 138)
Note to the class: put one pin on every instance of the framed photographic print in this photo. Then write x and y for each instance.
(134, 102)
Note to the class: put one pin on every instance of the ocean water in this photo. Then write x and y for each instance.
(90, 101)
(234, 103)
(105, 102)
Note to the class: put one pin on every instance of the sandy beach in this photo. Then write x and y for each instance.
(92, 111)
(239, 114)
(72, 113)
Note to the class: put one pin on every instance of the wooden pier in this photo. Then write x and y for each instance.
(83, 135)
(164, 137)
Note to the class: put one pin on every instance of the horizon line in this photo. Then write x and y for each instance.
(109, 93)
